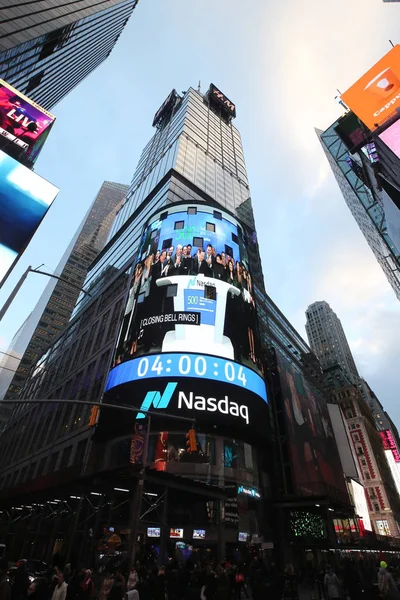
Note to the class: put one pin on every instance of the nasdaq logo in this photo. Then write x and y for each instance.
(157, 400)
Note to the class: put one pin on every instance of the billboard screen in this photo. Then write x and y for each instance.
(24, 125)
(316, 465)
(375, 97)
(391, 137)
(199, 534)
(188, 340)
(176, 533)
(360, 503)
(389, 443)
(350, 131)
(24, 200)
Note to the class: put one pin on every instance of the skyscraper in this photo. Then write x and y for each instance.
(54, 308)
(328, 340)
(47, 48)
(372, 209)
(171, 326)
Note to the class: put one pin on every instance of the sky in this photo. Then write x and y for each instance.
(281, 63)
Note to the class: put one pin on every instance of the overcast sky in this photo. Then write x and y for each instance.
(281, 63)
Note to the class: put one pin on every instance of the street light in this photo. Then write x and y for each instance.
(24, 275)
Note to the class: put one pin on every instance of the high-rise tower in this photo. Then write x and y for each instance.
(171, 326)
(328, 340)
(47, 48)
(53, 310)
(373, 209)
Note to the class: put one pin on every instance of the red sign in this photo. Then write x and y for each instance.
(389, 443)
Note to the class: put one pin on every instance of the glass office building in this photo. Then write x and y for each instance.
(47, 48)
(53, 310)
(355, 175)
(195, 158)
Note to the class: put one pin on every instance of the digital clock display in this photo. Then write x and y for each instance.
(175, 365)
(188, 345)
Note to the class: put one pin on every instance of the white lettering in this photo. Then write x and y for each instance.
(200, 403)
(182, 398)
(224, 406)
(212, 404)
(387, 106)
(244, 413)
(234, 409)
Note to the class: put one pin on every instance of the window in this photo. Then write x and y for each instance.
(228, 250)
(198, 242)
(217, 215)
(376, 507)
(179, 224)
(363, 462)
(53, 462)
(235, 238)
(192, 210)
(367, 476)
(356, 437)
(210, 227)
(66, 455)
(163, 215)
(167, 244)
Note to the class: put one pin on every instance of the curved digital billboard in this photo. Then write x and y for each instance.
(188, 343)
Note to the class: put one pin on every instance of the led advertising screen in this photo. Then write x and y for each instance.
(389, 443)
(199, 534)
(350, 131)
(360, 503)
(242, 537)
(188, 342)
(375, 97)
(315, 460)
(24, 200)
(391, 137)
(176, 533)
(153, 532)
(24, 125)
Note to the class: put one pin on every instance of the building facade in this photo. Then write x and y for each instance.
(381, 491)
(46, 50)
(54, 309)
(356, 167)
(328, 340)
(192, 166)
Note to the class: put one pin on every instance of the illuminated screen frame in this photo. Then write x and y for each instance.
(177, 303)
(155, 532)
(176, 533)
(25, 199)
(18, 116)
(199, 534)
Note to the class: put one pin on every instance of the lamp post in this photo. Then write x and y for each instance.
(18, 286)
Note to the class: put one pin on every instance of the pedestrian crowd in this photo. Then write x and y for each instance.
(201, 581)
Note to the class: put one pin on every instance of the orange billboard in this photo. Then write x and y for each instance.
(375, 97)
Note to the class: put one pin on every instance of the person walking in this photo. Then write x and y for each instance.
(332, 585)
(386, 584)
(60, 591)
(132, 579)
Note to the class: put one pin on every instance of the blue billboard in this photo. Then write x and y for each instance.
(188, 342)
(25, 197)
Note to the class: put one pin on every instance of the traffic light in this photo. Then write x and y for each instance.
(93, 416)
(191, 443)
